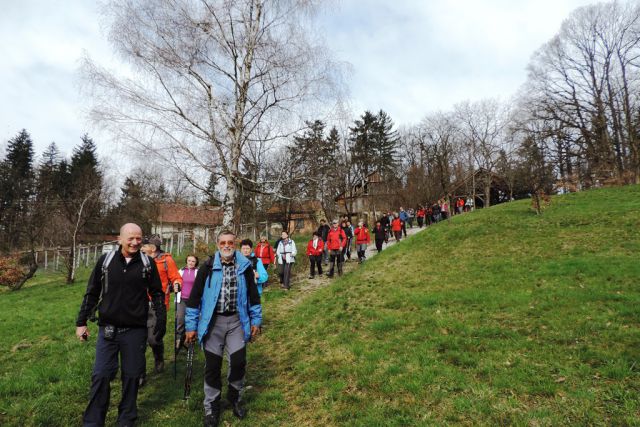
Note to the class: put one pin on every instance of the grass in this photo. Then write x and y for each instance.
(496, 317)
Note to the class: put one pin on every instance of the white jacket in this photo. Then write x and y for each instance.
(287, 251)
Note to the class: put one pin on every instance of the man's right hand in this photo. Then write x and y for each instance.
(189, 337)
(82, 333)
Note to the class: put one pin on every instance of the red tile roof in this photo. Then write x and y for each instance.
(184, 214)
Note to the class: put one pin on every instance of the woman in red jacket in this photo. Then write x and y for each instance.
(315, 248)
(264, 252)
(362, 240)
(396, 226)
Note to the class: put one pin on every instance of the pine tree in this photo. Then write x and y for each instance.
(17, 187)
(363, 144)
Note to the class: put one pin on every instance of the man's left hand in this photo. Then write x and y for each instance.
(176, 287)
(255, 331)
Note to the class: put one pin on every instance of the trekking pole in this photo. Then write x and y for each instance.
(189, 372)
(175, 336)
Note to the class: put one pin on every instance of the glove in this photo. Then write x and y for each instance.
(161, 320)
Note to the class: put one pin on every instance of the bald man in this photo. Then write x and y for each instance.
(119, 292)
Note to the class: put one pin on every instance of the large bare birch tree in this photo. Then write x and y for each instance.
(205, 79)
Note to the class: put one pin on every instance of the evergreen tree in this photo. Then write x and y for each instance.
(363, 144)
(17, 187)
(386, 144)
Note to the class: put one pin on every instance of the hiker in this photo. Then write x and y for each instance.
(386, 226)
(436, 212)
(459, 205)
(171, 281)
(396, 227)
(315, 249)
(286, 255)
(404, 217)
(265, 253)
(362, 240)
(411, 214)
(444, 208)
(468, 204)
(261, 276)
(336, 240)
(119, 288)
(380, 235)
(420, 214)
(323, 231)
(224, 313)
(348, 231)
(188, 274)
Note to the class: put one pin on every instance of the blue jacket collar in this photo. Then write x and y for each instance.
(242, 263)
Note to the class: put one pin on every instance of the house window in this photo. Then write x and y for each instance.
(299, 224)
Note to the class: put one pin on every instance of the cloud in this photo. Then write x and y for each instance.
(409, 57)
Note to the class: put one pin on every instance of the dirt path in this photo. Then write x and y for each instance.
(302, 286)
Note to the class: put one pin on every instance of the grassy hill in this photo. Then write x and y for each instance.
(496, 317)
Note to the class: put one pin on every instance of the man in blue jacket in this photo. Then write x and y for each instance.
(224, 311)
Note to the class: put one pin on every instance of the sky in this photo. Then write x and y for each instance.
(407, 57)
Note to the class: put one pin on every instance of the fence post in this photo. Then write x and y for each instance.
(45, 259)
(57, 259)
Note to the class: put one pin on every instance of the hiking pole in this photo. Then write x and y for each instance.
(189, 372)
(175, 335)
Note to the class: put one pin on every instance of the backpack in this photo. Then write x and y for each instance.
(104, 279)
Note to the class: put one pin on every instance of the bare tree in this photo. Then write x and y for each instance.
(482, 125)
(586, 78)
(208, 76)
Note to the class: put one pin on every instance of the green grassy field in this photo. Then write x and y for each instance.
(498, 317)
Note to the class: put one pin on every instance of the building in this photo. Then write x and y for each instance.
(366, 199)
(300, 217)
(190, 222)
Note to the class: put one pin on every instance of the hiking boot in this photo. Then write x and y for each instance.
(159, 366)
(238, 409)
(312, 277)
(213, 419)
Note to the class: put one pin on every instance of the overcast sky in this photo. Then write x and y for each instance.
(408, 57)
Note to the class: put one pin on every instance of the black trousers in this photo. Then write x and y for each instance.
(335, 257)
(420, 221)
(130, 346)
(315, 260)
(404, 228)
(379, 244)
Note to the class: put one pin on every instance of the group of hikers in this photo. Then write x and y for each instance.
(217, 303)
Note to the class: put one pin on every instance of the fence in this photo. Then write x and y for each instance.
(55, 259)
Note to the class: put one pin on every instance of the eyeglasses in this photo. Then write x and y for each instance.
(226, 242)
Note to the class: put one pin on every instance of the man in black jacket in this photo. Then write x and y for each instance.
(119, 289)
(323, 231)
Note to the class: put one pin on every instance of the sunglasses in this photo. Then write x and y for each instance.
(227, 242)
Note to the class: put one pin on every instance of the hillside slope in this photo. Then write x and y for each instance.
(496, 317)
(499, 316)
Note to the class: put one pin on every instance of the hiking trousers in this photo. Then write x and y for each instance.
(335, 257)
(315, 260)
(225, 335)
(130, 346)
(157, 345)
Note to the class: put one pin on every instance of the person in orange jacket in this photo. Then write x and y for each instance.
(362, 240)
(171, 281)
(315, 248)
(396, 226)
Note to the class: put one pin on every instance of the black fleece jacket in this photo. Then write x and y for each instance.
(126, 302)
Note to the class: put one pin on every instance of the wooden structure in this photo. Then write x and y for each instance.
(367, 199)
(300, 217)
(200, 222)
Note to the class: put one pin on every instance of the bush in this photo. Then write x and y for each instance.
(13, 271)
